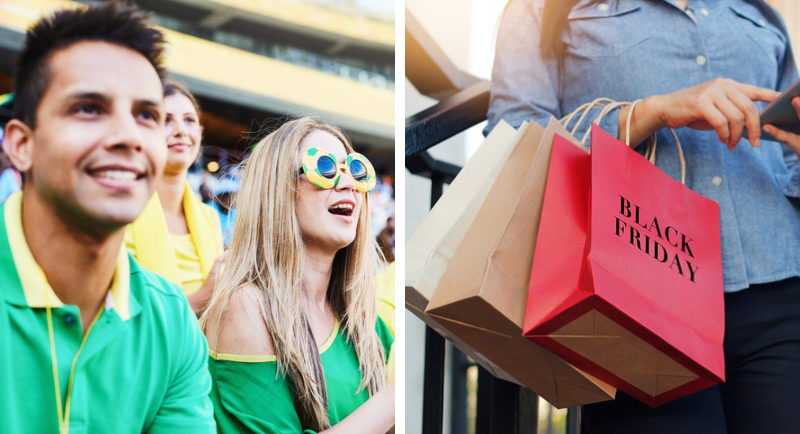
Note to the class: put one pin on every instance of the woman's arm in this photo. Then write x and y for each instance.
(721, 104)
(524, 84)
(376, 416)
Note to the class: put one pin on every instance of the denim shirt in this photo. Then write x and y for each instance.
(626, 50)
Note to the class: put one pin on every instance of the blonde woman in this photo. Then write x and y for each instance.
(296, 343)
(177, 236)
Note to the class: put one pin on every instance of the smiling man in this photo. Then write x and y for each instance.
(93, 343)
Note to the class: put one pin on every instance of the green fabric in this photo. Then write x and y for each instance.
(248, 397)
(147, 374)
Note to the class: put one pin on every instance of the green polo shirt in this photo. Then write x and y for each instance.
(143, 367)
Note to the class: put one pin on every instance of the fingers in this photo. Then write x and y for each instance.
(722, 105)
(789, 139)
(785, 137)
(718, 120)
(714, 108)
(747, 108)
(735, 102)
(735, 121)
(755, 93)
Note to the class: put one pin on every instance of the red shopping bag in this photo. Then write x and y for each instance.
(626, 282)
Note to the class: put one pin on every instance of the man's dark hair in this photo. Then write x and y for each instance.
(116, 22)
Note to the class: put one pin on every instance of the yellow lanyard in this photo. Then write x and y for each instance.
(63, 415)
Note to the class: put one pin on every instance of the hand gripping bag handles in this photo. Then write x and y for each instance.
(626, 281)
(481, 296)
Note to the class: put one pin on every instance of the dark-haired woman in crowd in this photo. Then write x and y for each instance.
(703, 68)
(177, 236)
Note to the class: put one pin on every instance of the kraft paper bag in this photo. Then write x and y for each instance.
(431, 247)
(485, 288)
(626, 280)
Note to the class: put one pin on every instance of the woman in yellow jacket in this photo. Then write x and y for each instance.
(177, 236)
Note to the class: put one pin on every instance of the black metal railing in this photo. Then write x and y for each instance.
(502, 406)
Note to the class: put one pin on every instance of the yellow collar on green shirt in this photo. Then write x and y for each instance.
(260, 359)
(34, 283)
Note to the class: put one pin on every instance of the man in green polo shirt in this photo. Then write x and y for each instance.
(92, 342)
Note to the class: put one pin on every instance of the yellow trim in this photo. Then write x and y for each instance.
(63, 415)
(301, 87)
(38, 292)
(319, 18)
(72, 369)
(21, 13)
(34, 283)
(238, 358)
(343, 102)
(53, 362)
(260, 359)
(121, 285)
(331, 338)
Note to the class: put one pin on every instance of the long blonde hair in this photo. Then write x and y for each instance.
(266, 251)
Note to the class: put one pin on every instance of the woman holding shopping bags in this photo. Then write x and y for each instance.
(177, 236)
(296, 342)
(703, 68)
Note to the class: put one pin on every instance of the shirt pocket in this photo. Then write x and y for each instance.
(771, 41)
(604, 30)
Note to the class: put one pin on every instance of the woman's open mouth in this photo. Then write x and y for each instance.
(344, 209)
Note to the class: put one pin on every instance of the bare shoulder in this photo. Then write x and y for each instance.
(240, 329)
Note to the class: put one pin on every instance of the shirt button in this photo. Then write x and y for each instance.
(701, 60)
(716, 180)
(704, 11)
(603, 7)
(69, 319)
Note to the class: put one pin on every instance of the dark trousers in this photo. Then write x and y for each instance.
(762, 389)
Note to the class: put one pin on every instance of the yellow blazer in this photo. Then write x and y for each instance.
(148, 239)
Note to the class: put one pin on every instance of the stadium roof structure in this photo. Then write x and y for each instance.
(264, 58)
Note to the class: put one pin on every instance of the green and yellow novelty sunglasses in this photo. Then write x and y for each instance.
(322, 170)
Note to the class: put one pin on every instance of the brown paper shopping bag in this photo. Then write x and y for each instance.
(429, 250)
(484, 290)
